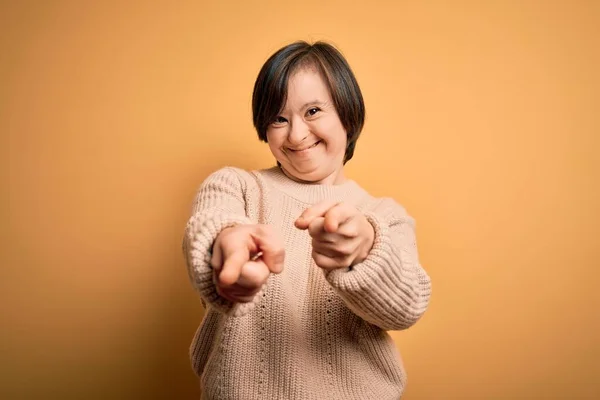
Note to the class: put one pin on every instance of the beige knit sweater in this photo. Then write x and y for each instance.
(308, 334)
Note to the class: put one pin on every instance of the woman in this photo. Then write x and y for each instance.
(300, 269)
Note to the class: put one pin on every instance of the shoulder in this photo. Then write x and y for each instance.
(385, 204)
(388, 209)
(228, 172)
(229, 176)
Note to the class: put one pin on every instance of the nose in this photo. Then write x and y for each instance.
(298, 132)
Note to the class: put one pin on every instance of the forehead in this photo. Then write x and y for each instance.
(306, 84)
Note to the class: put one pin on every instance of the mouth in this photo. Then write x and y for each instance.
(312, 146)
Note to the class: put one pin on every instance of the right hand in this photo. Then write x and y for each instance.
(237, 275)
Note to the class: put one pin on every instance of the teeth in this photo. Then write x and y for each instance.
(309, 147)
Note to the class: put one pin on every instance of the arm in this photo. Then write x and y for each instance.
(389, 288)
(219, 204)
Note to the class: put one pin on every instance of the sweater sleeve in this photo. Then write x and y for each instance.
(389, 288)
(219, 203)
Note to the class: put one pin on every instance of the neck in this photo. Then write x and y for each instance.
(336, 178)
(312, 192)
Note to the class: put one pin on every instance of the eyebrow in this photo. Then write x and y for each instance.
(319, 102)
(315, 102)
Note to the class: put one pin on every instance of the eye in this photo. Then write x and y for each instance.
(312, 111)
(279, 120)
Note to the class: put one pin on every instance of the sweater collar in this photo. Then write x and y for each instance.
(311, 193)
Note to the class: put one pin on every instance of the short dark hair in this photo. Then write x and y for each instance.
(270, 89)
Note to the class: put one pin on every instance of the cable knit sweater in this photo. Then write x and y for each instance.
(309, 334)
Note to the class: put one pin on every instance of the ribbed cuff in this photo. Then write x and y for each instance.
(385, 289)
(202, 231)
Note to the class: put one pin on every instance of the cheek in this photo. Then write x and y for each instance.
(274, 144)
(272, 147)
(271, 139)
(334, 134)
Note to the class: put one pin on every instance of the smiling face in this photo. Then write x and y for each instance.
(307, 137)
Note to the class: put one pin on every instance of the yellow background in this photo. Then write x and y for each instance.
(483, 121)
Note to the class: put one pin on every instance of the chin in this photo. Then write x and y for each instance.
(308, 178)
(314, 177)
(304, 176)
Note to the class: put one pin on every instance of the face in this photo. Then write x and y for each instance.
(308, 138)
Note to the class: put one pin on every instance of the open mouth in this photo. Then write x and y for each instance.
(306, 148)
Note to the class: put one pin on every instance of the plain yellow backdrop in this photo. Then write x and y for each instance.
(483, 121)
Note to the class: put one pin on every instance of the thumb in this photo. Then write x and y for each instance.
(232, 266)
(318, 210)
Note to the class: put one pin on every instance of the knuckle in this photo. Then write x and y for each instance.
(316, 256)
(280, 259)
(316, 243)
(346, 261)
(352, 231)
(280, 254)
(347, 249)
(259, 229)
(264, 229)
(321, 260)
(262, 277)
(231, 231)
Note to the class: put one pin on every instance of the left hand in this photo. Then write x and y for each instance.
(341, 235)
